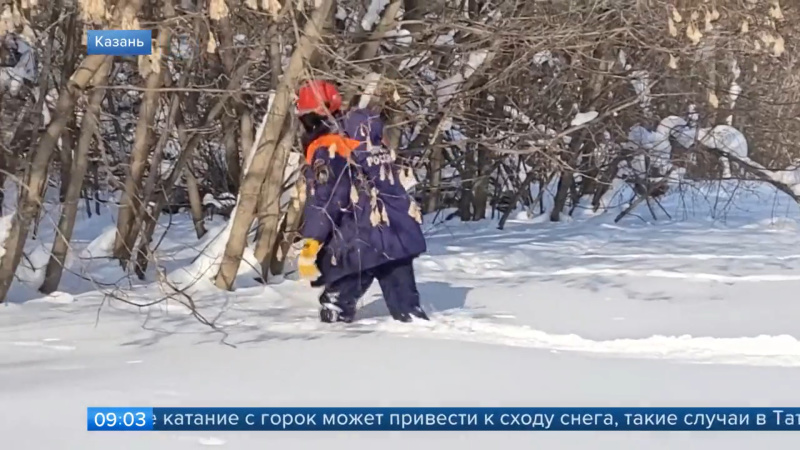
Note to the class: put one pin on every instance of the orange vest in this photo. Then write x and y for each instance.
(341, 145)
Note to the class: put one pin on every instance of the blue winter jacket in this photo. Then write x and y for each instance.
(356, 205)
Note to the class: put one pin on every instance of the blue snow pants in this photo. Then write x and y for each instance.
(397, 282)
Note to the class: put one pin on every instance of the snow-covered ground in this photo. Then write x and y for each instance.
(690, 312)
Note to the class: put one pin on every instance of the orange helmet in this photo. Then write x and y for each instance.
(320, 97)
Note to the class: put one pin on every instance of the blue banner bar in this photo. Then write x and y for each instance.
(119, 42)
(445, 419)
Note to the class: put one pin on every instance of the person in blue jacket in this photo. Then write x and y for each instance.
(360, 223)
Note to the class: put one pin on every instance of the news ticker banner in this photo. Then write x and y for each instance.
(119, 42)
(443, 419)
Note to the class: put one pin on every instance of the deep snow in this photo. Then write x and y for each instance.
(696, 311)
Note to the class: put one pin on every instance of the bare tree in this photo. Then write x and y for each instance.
(257, 170)
(58, 256)
(32, 192)
(269, 207)
(130, 205)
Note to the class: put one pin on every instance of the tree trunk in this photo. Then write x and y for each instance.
(467, 184)
(195, 202)
(524, 187)
(155, 177)
(8, 159)
(256, 173)
(289, 228)
(246, 137)
(66, 160)
(143, 251)
(189, 145)
(269, 205)
(232, 162)
(232, 152)
(275, 55)
(38, 109)
(263, 210)
(481, 185)
(434, 179)
(44, 80)
(130, 205)
(31, 194)
(66, 223)
(70, 135)
(590, 96)
(562, 193)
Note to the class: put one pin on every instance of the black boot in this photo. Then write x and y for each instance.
(406, 317)
(402, 317)
(419, 313)
(330, 313)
